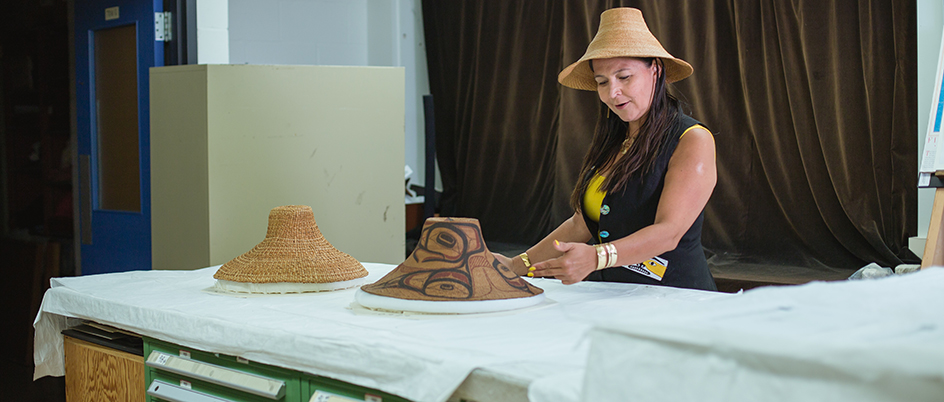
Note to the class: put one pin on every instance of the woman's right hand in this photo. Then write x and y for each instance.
(577, 261)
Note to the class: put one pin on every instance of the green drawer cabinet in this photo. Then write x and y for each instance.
(341, 388)
(298, 387)
(292, 379)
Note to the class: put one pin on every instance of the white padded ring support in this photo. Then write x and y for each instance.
(284, 287)
(376, 302)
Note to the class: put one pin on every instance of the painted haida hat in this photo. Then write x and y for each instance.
(294, 257)
(450, 271)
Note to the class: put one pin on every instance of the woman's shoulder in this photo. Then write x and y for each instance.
(685, 122)
(690, 129)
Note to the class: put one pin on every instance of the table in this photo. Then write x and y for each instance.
(879, 340)
(419, 357)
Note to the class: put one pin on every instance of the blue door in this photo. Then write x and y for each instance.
(114, 47)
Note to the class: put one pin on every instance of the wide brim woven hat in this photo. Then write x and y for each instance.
(450, 266)
(623, 33)
(293, 251)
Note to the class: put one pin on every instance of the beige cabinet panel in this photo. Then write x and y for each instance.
(231, 142)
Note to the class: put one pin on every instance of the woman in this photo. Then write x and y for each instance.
(645, 180)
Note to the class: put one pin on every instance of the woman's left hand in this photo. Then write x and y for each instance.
(578, 261)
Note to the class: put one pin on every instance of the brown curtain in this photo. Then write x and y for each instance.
(813, 104)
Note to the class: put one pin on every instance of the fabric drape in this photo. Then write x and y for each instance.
(813, 103)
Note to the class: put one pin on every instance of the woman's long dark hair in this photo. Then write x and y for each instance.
(611, 131)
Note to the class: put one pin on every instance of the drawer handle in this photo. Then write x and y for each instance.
(222, 376)
(173, 393)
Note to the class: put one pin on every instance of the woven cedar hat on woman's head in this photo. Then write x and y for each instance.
(294, 257)
(622, 33)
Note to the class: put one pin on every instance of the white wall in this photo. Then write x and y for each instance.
(339, 32)
(212, 32)
(930, 23)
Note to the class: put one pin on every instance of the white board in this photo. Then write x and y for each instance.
(932, 160)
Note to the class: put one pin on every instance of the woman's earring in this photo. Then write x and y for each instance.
(607, 113)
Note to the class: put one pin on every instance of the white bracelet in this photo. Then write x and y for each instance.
(602, 256)
(610, 254)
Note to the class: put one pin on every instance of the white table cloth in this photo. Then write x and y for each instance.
(419, 357)
(866, 340)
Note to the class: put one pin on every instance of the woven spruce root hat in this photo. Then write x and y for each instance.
(622, 33)
(450, 271)
(294, 257)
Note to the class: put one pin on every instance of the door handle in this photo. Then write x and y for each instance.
(85, 198)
